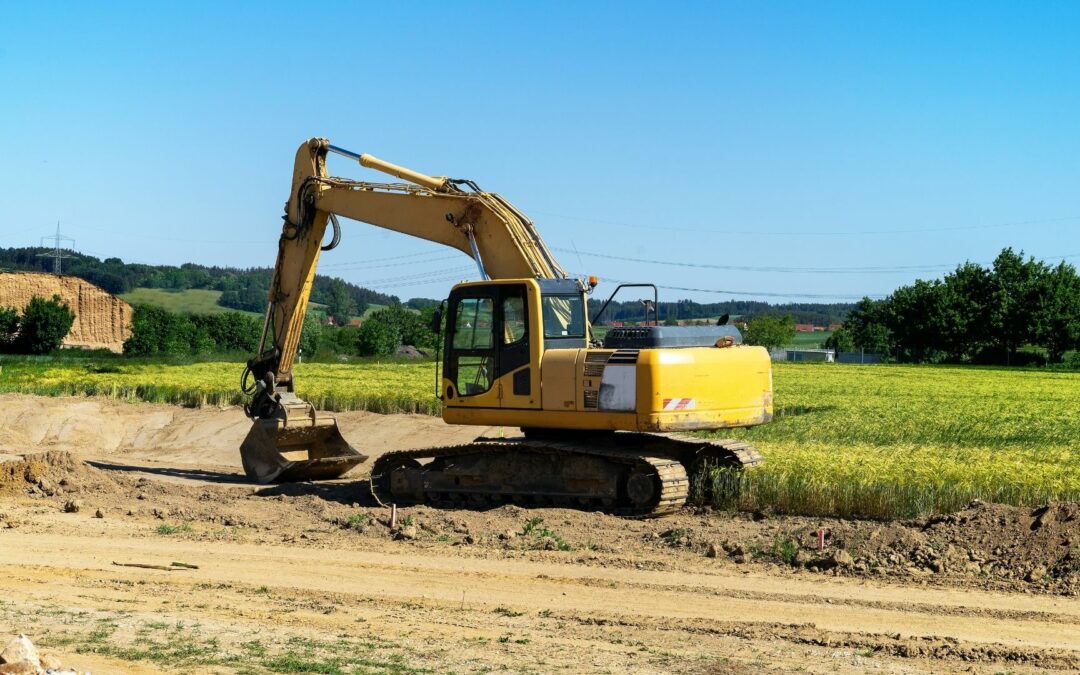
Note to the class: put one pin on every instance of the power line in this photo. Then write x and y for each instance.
(789, 270)
(810, 231)
(833, 296)
(366, 264)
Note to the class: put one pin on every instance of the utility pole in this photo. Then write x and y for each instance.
(57, 254)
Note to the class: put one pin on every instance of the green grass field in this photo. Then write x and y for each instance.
(809, 340)
(193, 300)
(876, 441)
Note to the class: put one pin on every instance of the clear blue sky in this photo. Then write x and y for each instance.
(901, 136)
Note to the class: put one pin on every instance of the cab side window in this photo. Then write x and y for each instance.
(513, 319)
(474, 330)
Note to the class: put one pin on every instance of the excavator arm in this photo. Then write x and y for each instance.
(289, 439)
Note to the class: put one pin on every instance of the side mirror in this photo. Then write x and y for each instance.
(436, 320)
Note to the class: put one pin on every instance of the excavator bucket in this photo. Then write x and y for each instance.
(297, 449)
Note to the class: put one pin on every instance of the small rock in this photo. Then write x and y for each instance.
(408, 532)
(509, 534)
(99, 514)
(739, 558)
(469, 539)
(842, 558)
(550, 544)
(48, 661)
(1036, 573)
(972, 568)
(228, 521)
(737, 550)
(712, 551)
(802, 558)
(72, 506)
(20, 649)
(141, 495)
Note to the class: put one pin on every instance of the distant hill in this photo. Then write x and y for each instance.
(227, 287)
(191, 301)
(246, 289)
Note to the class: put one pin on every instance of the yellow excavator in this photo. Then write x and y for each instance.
(518, 350)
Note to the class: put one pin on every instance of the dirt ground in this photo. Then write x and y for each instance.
(100, 500)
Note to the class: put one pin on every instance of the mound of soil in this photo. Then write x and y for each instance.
(989, 545)
(35, 469)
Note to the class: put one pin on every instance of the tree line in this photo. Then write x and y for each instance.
(818, 314)
(1016, 311)
(243, 289)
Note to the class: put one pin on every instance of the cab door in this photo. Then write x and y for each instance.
(488, 348)
(518, 376)
(471, 350)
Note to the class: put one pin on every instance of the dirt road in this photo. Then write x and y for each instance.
(306, 578)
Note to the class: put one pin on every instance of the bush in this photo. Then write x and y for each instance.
(155, 331)
(771, 332)
(386, 330)
(310, 335)
(377, 338)
(44, 325)
(9, 327)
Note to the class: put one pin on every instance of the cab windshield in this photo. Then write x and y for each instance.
(564, 316)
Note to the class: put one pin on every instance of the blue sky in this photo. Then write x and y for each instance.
(830, 149)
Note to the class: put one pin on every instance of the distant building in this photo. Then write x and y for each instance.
(804, 328)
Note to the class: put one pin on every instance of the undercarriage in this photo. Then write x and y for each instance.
(623, 473)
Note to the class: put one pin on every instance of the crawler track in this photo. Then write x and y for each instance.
(628, 474)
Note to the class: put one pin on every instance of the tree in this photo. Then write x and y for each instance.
(44, 325)
(965, 306)
(840, 341)
(377, 338)
(866, 325)
(155, 330)
(399, 326)
(1013, 298)
(339, 302)
(1056, 319)
(9, 327)
(772, 332)
(916, 321)
(310, 335)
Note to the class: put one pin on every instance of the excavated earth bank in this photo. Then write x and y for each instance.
(102, 321)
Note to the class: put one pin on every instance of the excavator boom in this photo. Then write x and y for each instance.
(289, 440)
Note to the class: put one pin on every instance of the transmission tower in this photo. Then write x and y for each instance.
(57, 254)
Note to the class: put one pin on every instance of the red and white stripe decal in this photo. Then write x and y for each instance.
(678, 404)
